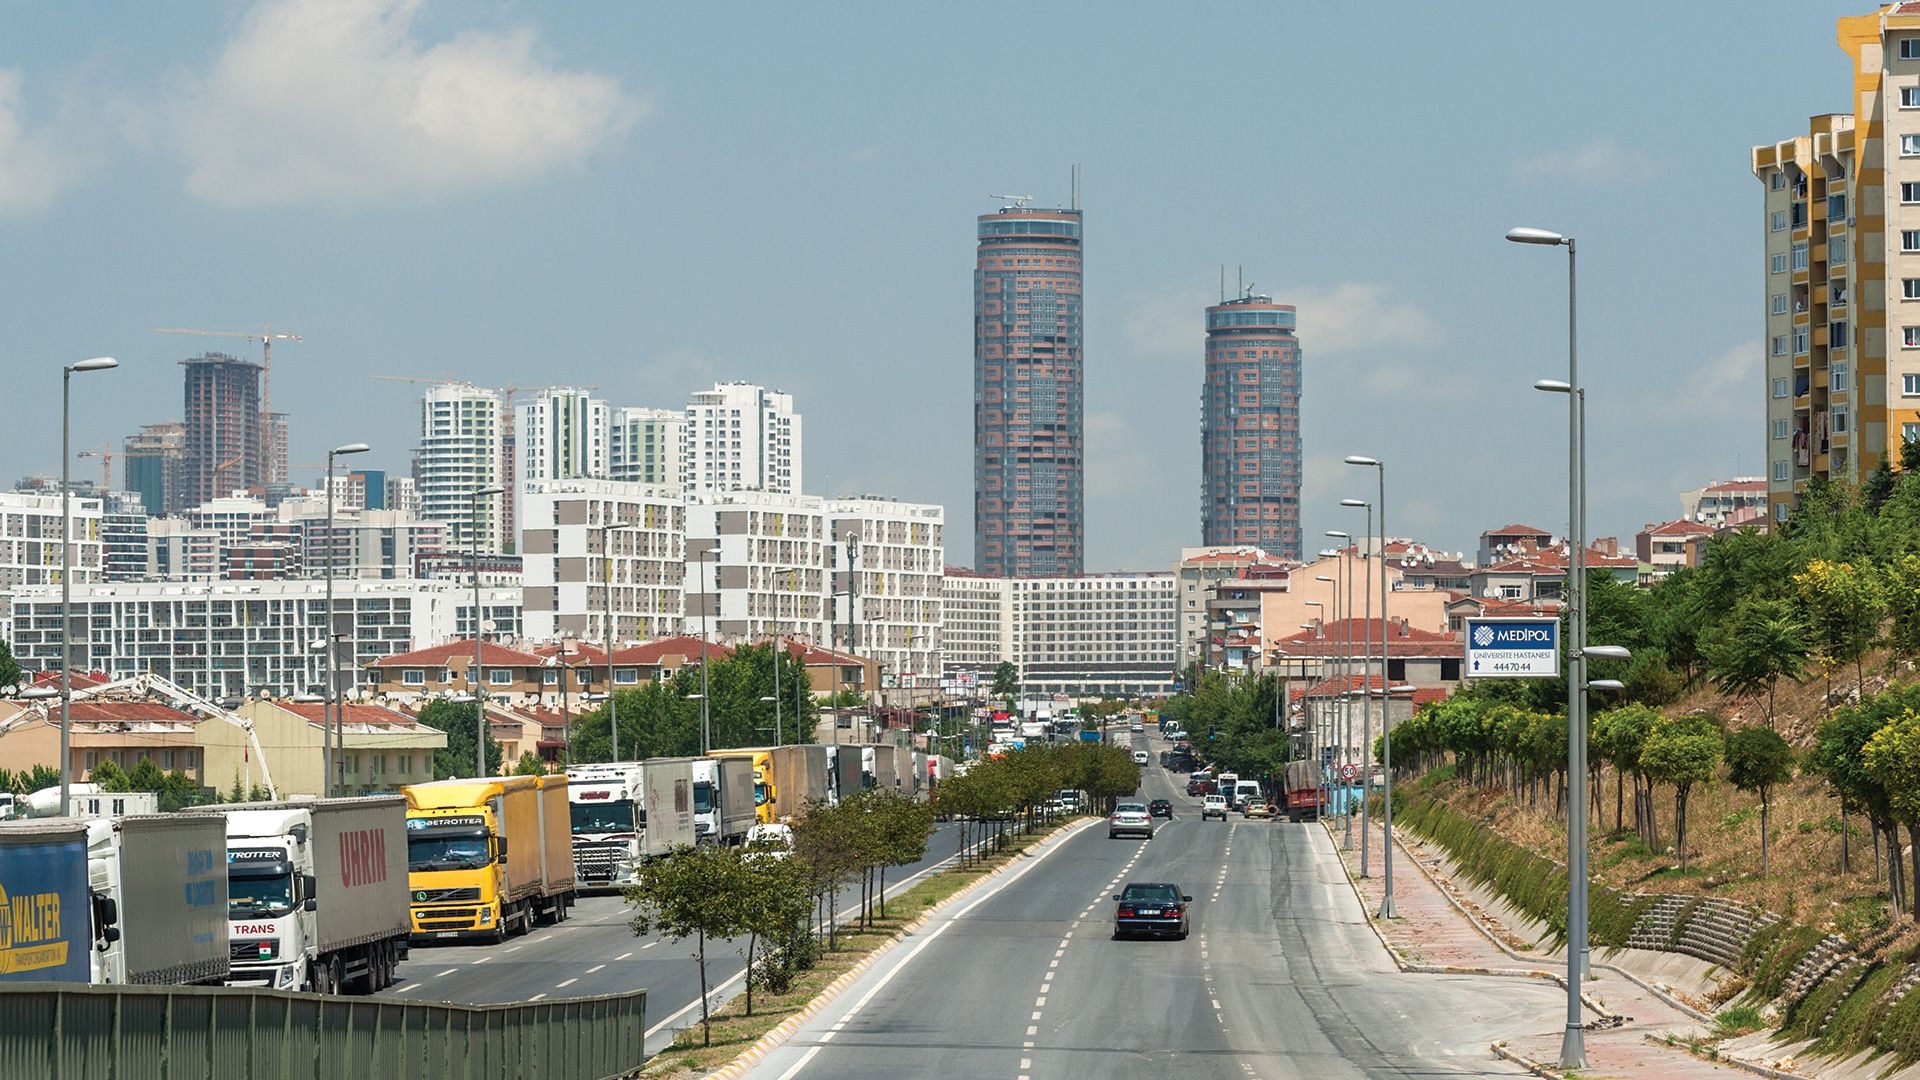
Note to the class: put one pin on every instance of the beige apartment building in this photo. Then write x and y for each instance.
(1842, 298)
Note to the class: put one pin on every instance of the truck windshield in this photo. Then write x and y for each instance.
(444, 852)
(703, 798)
(603, 817)
(259, 896)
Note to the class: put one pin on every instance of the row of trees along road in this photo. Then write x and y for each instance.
(778, 909)
(659, 719)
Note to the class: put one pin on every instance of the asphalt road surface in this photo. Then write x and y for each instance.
(595, 952)
(1280, 977)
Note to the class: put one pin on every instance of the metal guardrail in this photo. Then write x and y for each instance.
(59, 1031)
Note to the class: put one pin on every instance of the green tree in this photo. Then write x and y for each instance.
(1682, 751)
(1006, 683)
(696, 892)
(10, 673)
(1838, 756)
(1901, 577)
(1759, 760)
(775, 903)
(530, 764)
(1763, 642)
(455, 760)
(1892, 758)
(1845, 605)
(1619, 735)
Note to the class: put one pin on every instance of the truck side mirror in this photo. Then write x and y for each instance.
(309, 885)
(500, 850)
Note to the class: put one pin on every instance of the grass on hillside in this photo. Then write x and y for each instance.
(734, 1032)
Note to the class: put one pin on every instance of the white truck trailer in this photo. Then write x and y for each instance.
(625, 813)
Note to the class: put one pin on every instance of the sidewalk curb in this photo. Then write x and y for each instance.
(1536, 1068)
(773, 1039)
(1750, 1066)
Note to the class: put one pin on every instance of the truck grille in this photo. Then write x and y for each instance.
(441, 896)
(457, 917)
(594, 862)
(247, 952)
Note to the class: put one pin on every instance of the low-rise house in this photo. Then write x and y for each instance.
(383, 748)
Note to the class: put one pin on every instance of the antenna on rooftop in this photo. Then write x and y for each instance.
(1019, 201)
(1076, 185)
(1223, 283)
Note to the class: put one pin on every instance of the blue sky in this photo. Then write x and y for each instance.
(649, 197)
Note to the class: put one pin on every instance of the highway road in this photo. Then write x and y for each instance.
(1281, 976)
(595, 952)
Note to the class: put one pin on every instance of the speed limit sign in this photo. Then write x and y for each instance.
(1349, 771)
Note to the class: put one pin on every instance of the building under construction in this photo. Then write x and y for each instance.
(225, 450)
(154, 461)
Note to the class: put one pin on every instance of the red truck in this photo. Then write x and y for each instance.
(1302, 784)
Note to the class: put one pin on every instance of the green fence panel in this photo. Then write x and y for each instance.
(64, 1032)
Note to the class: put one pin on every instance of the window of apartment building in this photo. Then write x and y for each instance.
(1780, 470)
(1837, 335)
(413, 677)
(1910, 288)
(1799, 340)
(1836, 208)
(1777, 181)
(1910, 240)
(1837, 251)
(1777, 222)
(499, 677)
(1910, 432)
(1779, 344)
(1778, 303)
(1910, 48)
(1779, 429)
(1780, 388)
(1777, 264)
(1780, 511)
(1909, 192)
(1839, 419)
(1800, 255)
(1910, 337)
(1910, 385)
(1910, 146)
(1837, 292)
(1910, 97)
(1837, 376)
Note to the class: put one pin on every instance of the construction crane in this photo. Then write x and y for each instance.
(266, 337)
(151, 685)
(506, 392)
(107, 453)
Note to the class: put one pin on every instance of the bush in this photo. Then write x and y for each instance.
(1737, 1021)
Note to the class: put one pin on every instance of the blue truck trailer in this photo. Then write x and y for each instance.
(46, 917)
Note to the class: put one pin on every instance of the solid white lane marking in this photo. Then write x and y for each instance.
(564, 985)
(595, 968)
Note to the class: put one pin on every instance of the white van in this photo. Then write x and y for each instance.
(1139, 757)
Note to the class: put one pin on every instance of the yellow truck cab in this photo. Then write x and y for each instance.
(489, 856)
(765, 791)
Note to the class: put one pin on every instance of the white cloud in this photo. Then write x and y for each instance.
(32, 168)
(1332, 319)
(1599, 159)
(1118, 461)
(337, 101)
(1721, 386)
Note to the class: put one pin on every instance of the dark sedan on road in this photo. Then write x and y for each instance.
(1150, 908)
(1160, 808)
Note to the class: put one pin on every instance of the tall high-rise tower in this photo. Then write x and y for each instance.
(740, 437)
(224, 450)
(154, 461)
(1029, 486)
(464, 436)
(1250, 449)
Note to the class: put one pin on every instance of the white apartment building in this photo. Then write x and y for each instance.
(464, 436)
(227, 640)
(1199, 570)
(563, 537)
(741, 437)
(177, 551)
(898, 554)
(1084, 635)
(231, 518)
(30, 541)
(758, 564)
(561, 433)
(643, 446)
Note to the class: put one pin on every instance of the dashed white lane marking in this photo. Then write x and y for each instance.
(536, 997)
(449, 971)
(1054, 963)
(622, 956)
(1026, 1063)
(648, 945)
(1035, 1016)
(1062, 951)
(564, 985)
(483, 959)
(1040, 1002)
(516, 948)
(1032, 1029)
(595, 968)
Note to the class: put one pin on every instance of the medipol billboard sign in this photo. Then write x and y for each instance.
(1513, 648)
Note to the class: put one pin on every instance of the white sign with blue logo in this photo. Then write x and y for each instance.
(1513, 648)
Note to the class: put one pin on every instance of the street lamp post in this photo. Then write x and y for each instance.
(1387, 910)
(1346, 704)
(330, 707)
(778, 651)
(1313, 722)
(1366, 715)
(706, 722)
(98, 363)
(1329, 721)
(479, 679)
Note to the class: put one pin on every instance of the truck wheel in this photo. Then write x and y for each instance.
(337, 974)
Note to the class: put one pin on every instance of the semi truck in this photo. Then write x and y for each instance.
(1304, 794)
(165, 877)
(625, 813)
(317, 893)
(843, 772)
(723, 800)
(54, 923)
(489, 856)
(785, 778)
(880, 766)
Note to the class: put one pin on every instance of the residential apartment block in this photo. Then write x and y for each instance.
(643, 446)
(560, 433)
(1250, 448)
(30, 542)
(225, 450)
(758, 565)
(740, 437)
(232, 639)
(154, 466)
(465, 438)
(1198, 571)
(1082, 635)
(1029, 436)
(897, 551)
(572, 530)
(1841, 220)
